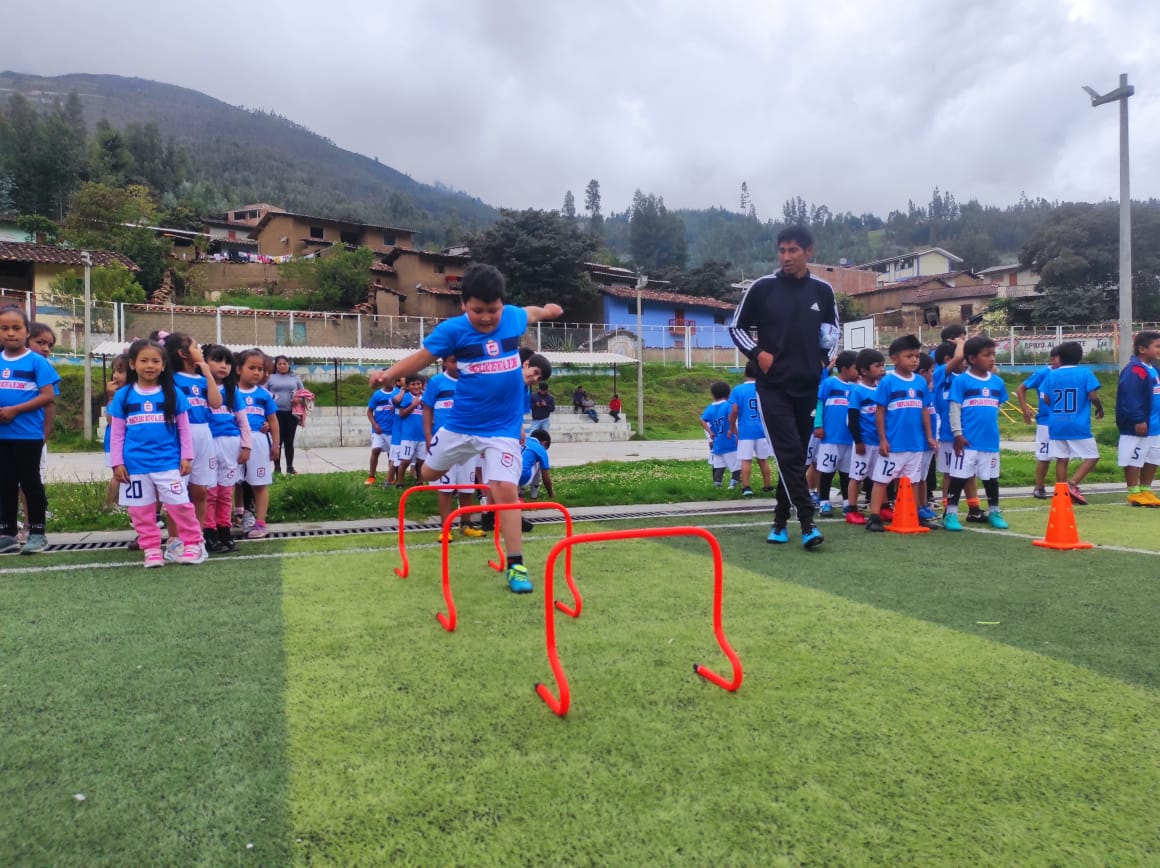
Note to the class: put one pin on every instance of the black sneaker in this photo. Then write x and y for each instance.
(526, 524)
(874, 524)
(226, 539)
(213, 545)
(977, 516)
(747, 492)
(1040, 494)
(487, 521)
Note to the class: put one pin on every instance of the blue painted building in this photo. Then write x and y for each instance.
(668, 319)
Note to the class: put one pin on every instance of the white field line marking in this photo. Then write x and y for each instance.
(361, 550)
(116, 565)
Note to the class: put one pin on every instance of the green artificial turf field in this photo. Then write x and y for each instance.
(943, 699)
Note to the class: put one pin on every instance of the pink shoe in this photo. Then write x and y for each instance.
(154, 558)
(258, 531)
(193, 555)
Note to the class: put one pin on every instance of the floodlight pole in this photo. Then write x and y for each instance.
(641, 283)
(87, 415)
(1121, 95)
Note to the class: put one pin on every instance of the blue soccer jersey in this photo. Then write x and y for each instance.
(749, 425)
(21, 379)
(862, 399)
(716, 415)
(382, 409)
(1067, 389)
(941, 382)
(193, 386)
(409, 427)
(440, 397)
(258, 404)
(1035, 382)
(152, 445)
(222, 421)
(534, 453)
(489, 400)
(905, 400)
(980, 399)
(1154, 417)
(834, 396)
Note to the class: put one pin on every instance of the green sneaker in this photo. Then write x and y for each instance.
(996, 520)
(36, 544)
(518, 582)
(951, 522)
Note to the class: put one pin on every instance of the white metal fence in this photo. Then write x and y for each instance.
(680, 344)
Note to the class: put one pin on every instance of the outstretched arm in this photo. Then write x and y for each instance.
(413, 364)
(539, 314)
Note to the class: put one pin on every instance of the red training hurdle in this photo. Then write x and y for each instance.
(560, 707)
(403, 571)
(448, 620)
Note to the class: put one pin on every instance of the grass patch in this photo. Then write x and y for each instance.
(158, 696)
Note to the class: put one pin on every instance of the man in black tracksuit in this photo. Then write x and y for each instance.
(795, 316)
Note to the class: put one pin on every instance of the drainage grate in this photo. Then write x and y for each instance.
(391, 527)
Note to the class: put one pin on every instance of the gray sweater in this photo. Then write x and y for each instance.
(283, 387)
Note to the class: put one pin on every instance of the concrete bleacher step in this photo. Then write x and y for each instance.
(348, 426)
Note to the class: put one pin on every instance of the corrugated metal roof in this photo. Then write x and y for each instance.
(384, 355)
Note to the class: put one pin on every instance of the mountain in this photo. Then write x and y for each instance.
(247, 155)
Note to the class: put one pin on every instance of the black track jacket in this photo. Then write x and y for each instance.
(787, 313)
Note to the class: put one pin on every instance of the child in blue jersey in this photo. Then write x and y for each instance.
(1041, 416)
(118, 374)
(27, 386)
(407, 441)
(950, 363)
(745, 423)
(381, 415)
(535, 460)
(231, 443)
(722, 443)
(488, 414)
(1138, 419)
(862, 422)
(1071, 392)
(192, 377)
(835, 442)
(904, 431)
(262, 412)
(975, 399)
(435, 408)
(152, 452)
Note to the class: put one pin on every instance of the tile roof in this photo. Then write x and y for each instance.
(382, 268)
(270, 215)
(438, 290)
(15, 251)
(629, 292)
(948, 293)
(947, 278)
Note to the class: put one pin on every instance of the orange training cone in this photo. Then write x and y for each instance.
(1061, 530)
(905, 511)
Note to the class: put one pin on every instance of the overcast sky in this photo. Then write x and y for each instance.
(857, 104)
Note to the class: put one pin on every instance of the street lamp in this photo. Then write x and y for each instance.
(1120, 95)
(87, 259)
(641, 283)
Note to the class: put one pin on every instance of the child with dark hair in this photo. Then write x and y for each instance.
(835, 442)
(1042, 416)
(151, 451)
(535, 460)
(27, 387)
(1138, 419)
(231, 441)
(904, 430)
(949, 364)
(262, 414)
(976, 396)
(746, 425)
(1071, 392)
(488, 414)
(862, 422)
(722, 444)
(407, 441)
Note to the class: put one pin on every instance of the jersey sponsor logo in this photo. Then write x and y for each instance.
(20, 385)
(499, 366)
(906, 404)
(980, 402)
(145, 418)
(491, 348)
(444, 403)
